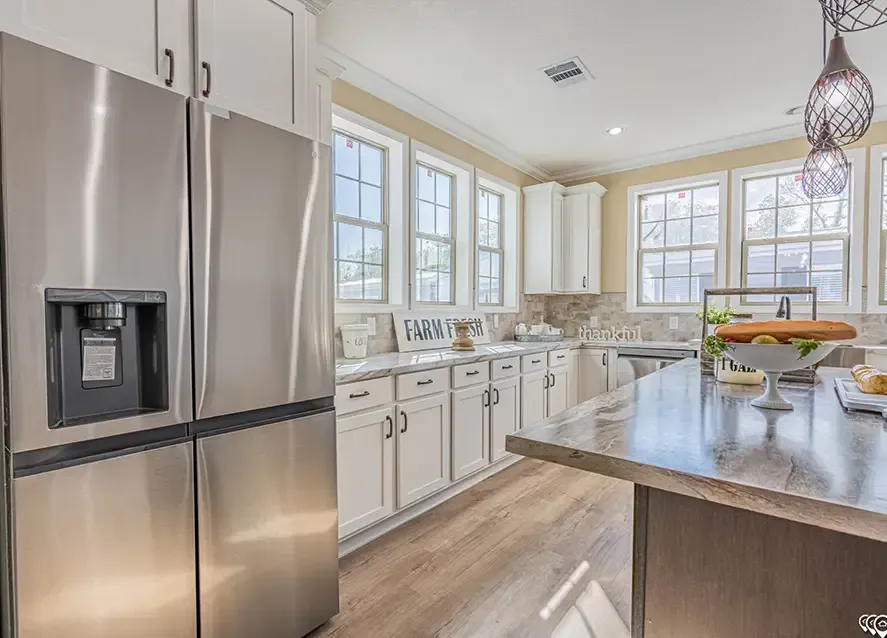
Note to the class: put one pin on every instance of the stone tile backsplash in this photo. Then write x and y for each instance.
(571, 311)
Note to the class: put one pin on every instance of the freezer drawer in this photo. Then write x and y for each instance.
(106, 549)
(262, 249)
(267, 522)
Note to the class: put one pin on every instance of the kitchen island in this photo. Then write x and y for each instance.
(748, 522)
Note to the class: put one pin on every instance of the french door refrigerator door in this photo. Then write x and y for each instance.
(94, 199)
(105, 549)
(263, 296)
(268, 529)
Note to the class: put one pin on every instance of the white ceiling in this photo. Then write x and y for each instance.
(677, 73)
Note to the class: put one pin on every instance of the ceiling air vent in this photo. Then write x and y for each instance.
(569, 72)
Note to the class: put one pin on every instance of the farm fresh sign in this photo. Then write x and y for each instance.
(429, 331)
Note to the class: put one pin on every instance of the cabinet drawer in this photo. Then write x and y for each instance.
(419, 384)
(362, 395)
(558, 358)
(504, 368)
(533, 362)
(470, 374)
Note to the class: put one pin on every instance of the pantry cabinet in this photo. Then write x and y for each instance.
(423, 447)
(365, 451)
(471, 430)
(562, 238)
(505, 415)
(256, 57)
(146, 39)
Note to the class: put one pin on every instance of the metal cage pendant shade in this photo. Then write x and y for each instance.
(827, 169)
(842, 98)
(854, 15)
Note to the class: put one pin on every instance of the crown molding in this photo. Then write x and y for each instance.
(384, 89)
(316, 6)
(329, 68)
(768, 136)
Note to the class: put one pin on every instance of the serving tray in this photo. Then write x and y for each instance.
(853, 398)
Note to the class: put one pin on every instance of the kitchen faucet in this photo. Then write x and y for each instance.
(785, 308)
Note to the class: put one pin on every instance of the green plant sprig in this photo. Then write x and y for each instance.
(715, 347)
(805, 346)
(718, 316)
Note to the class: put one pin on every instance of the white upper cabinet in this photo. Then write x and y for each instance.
(256, 57)
(145, 39)
(562, 238)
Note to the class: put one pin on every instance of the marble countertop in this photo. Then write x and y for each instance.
(682, 432)
(383, 365)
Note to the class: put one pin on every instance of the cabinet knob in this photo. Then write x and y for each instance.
(172, 66)
(209, 78)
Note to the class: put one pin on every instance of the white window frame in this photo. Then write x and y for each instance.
(462, 212)
(856, 227)
(876, 236)
(634, 196)
(397, 153)
(510, 236)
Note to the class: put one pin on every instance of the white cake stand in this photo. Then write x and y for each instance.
(773, 360)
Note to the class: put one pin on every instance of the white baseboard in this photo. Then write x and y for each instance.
(371, 533)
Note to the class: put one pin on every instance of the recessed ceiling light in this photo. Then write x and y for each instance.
(616, 130)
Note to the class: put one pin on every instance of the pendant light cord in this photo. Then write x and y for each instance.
(824, 40)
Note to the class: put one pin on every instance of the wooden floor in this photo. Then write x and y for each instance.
(486, 562)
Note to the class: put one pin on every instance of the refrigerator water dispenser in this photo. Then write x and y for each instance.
(106, 355)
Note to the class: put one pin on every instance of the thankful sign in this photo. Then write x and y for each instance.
(429, 331)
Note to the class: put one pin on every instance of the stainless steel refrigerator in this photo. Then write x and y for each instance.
(167, 363)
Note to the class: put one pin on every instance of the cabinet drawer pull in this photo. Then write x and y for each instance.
(561, 356)
(496, 400)
(585, 282)
(209, 78)
(360, 395)
(536, 361)
(172, 66)
(547, 382)
(553, 381)
(508, 367)
(429, 382)
(486, 398)
(390, 427)
(403, 430)
(605, 359)
(472, 374)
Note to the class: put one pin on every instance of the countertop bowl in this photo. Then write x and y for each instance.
(776, 357)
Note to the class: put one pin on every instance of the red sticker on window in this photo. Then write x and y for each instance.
(798, 178)
(429, 173)
(349, 144)
(682, 195)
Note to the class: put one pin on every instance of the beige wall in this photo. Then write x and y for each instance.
(615, 205)
(362, 103)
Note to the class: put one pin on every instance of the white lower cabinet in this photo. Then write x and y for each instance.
(423, 447)
(594, 373)
(573, 379)
(534, 398)
(471, 430)
(558, 391)
(365, 469)
(505, 415)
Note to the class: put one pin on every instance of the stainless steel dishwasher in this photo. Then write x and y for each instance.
(636, 361)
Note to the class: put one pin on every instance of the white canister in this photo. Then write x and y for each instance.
(354, 340)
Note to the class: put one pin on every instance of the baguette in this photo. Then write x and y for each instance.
(785, 330)
(870, 380)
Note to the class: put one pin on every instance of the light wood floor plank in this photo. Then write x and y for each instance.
(485, 563)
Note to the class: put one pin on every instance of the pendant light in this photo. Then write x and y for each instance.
(827, 169)
(841, 98)
(854, 15)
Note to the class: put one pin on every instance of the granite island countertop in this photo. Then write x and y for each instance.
(383, 365)
(682, 432)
